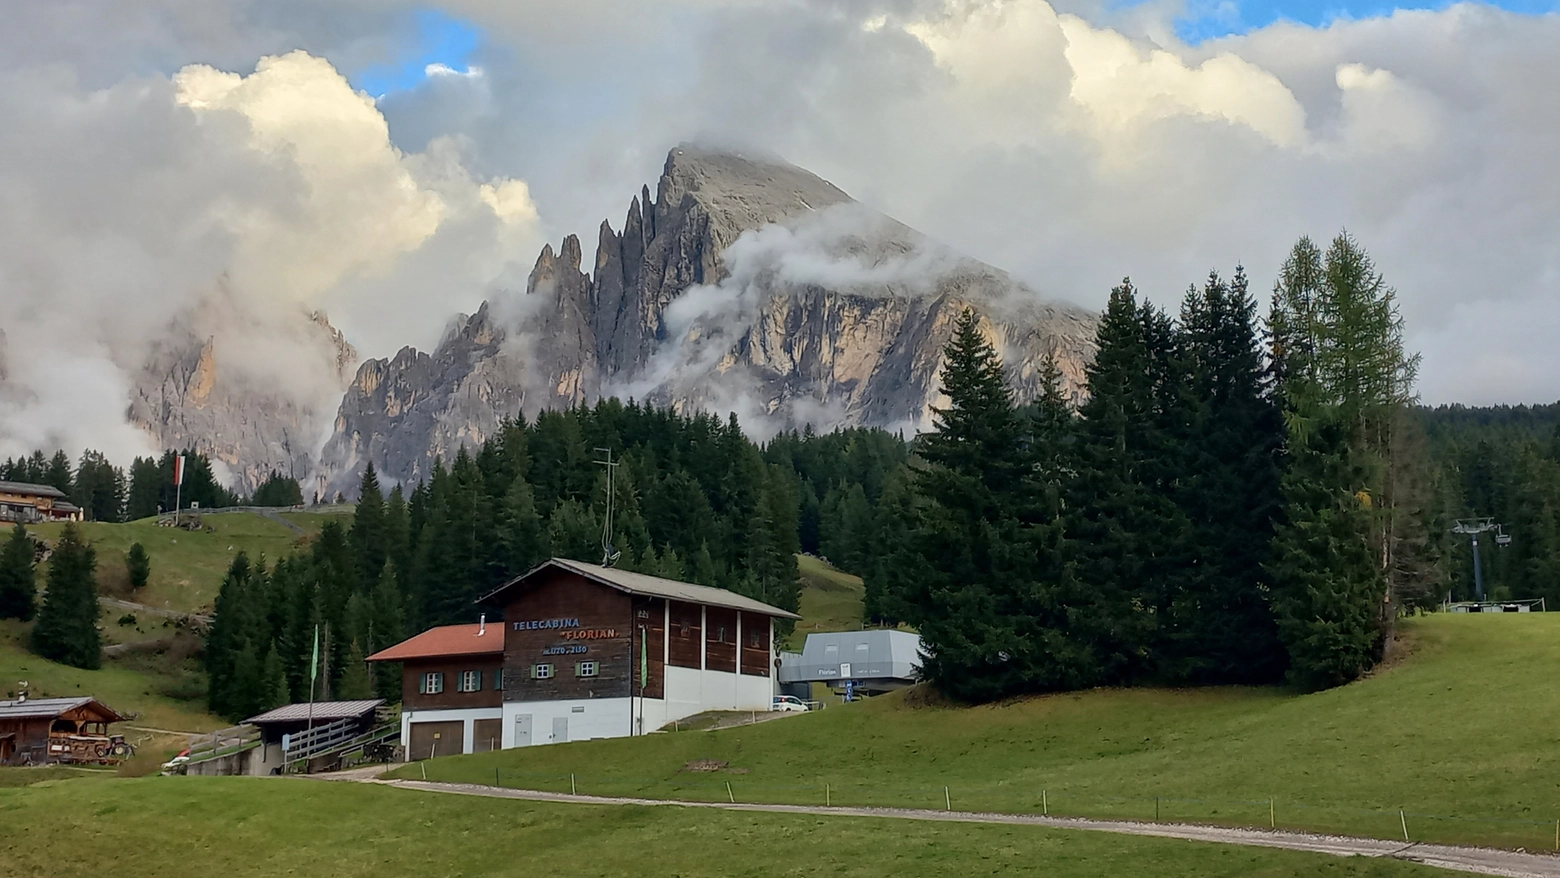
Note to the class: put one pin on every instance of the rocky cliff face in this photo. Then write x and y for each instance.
(185, 395)
(744, 284)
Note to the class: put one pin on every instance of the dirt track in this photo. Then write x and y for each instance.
(1483, 861)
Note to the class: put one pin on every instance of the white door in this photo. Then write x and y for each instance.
(523, 730)
(844, 670)
(560, 729)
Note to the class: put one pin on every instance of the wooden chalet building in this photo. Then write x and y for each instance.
(587, 652)
(40, 731)
(31, 504)
(452, 698)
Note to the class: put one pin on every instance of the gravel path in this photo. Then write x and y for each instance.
(1483, 861)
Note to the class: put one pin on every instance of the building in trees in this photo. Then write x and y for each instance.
(587, 652)
(29, 503)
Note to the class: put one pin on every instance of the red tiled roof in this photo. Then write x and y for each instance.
(446, 640)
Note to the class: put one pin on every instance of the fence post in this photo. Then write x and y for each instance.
(1272, 816)
(1156, 809)
(947, 799)
(496, 782)
(827, 799)
(1404, 819)
(729, 794)
(1045, 806)
(424, 767)
(572, 791)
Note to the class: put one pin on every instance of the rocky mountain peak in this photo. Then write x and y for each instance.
(809, 308)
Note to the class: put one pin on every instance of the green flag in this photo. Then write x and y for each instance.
(644, 661)
(314, 659)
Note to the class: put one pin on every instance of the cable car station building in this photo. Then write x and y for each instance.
(593, 652)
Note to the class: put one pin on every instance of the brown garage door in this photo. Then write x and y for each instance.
(436, 739)
(487, 734)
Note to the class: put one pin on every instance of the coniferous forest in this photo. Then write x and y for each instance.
(1248, 494)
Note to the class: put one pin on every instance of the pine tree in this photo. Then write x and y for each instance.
(139, 565)
(1129, 535)
(1345, 378)
(273, 683)
(145, 495)
(18, 588)
(58, 473)
(367, 536)
(521, 532)
(227, 637)
(1229, 488)
(989, 613)
(355, 683)
(66, 631)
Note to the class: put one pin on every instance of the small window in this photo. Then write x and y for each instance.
(432, 684)
(861, 647)
(470, 681)
(718, 635)
(585, 669)
(541, 672)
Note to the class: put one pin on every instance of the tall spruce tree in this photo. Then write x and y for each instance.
(368, 536)
(18, 585)
(1229, 488)
(1130, 536)
(967, 578)
(66, 631)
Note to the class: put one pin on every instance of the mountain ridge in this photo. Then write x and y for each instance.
(745, 284)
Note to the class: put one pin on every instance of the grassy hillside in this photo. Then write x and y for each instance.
(831, 600)
(133, 688)
(187, 566)
(1460, 735)
(237, 828)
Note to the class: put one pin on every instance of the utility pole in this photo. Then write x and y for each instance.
(1473, 527)
(609, 554)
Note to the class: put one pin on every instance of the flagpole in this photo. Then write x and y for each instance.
(178, 487)
(314, 663)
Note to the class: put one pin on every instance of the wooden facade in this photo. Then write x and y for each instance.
(566, 637)
(487, 668)
(59, 730)
(29, 503)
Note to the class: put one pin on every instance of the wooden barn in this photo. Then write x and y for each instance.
(49, 730)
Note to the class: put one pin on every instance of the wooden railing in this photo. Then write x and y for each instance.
(222, 742)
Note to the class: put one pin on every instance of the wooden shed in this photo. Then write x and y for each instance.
(48, 730)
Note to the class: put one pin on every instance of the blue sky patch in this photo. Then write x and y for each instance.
(432, 37)
(1210, 19)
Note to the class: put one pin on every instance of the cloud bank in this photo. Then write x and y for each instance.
(178, 148)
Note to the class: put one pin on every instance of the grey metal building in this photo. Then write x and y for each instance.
(878, 660)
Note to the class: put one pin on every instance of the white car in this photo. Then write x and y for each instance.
(788, 703)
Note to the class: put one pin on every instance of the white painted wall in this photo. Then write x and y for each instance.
(466, 715)
(588, 718)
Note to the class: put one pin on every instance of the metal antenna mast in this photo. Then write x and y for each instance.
(609, 554)
(1473, 527)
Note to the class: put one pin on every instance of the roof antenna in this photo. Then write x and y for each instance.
(609, 555)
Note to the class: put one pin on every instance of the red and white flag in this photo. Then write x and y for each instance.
(178, 469)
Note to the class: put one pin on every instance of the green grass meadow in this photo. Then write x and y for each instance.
(1460, 735)
(121, 686)
(831, 600)
(238, 828)
(187, 566)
